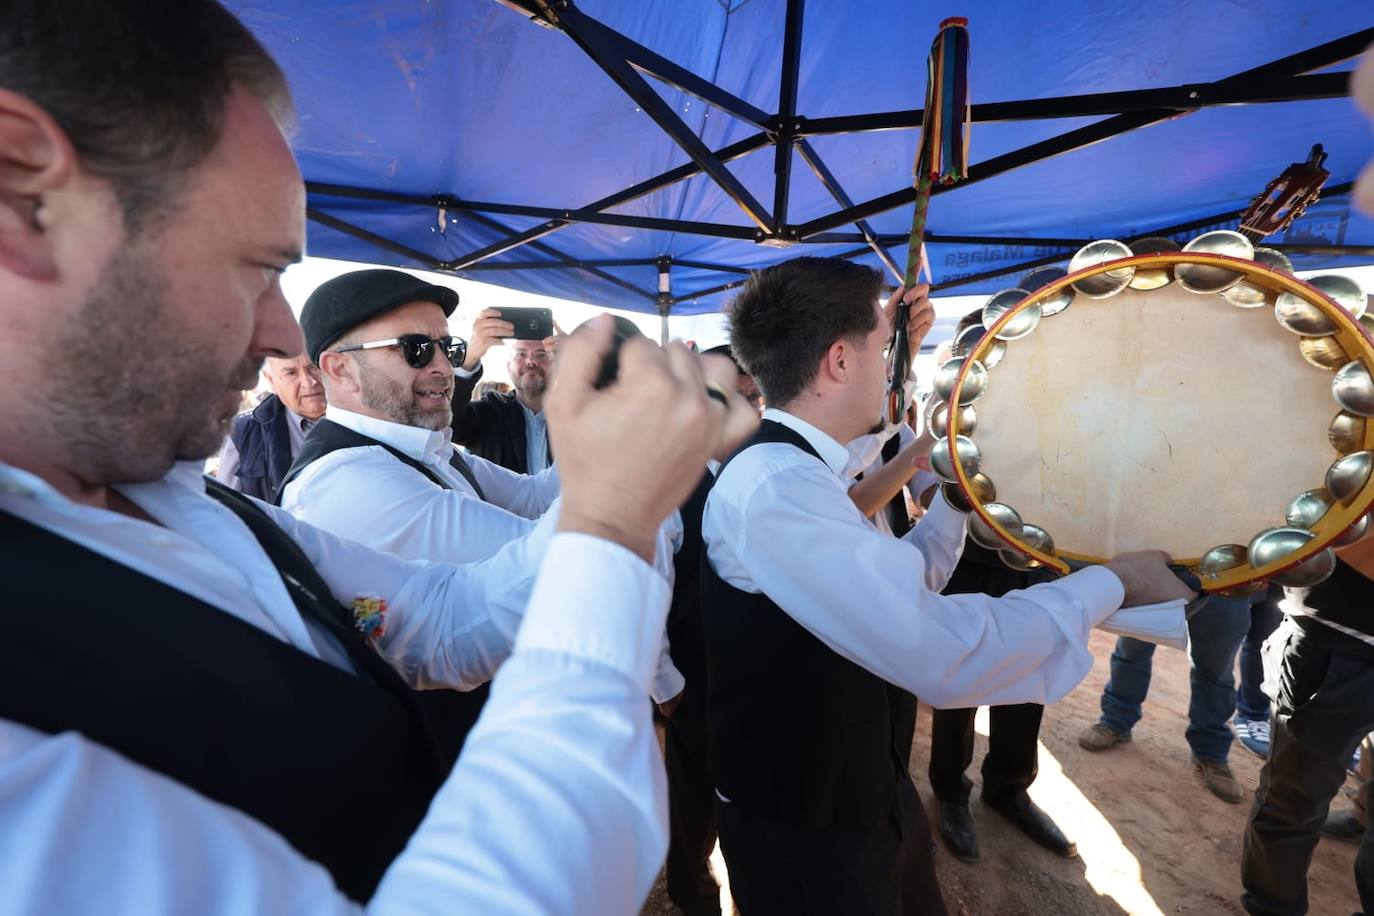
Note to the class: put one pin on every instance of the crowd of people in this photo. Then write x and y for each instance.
(399, 654)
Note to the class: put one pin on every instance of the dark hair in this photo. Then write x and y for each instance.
(788, 315)
(724, 350)
(139, 88)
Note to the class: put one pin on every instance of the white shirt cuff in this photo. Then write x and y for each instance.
(1165, 623)
(1099, 589)
(948, 522)
(597, 601)
(467, 373)
(668, 681)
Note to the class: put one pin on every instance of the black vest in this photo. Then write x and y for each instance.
(1346, 598)
(328, 436)
(687, 645)
(264, 447)
(341, 765)
(798, 733)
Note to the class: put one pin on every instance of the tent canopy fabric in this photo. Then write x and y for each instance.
(645, 154)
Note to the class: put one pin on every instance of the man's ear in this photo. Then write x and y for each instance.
(337, 369)
(36, 158)
(836, 363)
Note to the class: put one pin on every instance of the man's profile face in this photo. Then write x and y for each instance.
(181, 316)
(391, 386)
(529, 367)
(870, 369)
(297, 383)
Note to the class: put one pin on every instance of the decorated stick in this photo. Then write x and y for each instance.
(941, 158)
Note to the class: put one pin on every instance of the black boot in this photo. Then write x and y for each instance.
(1033, 822)
(956, 826)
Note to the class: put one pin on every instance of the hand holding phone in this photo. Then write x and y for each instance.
(528, 323)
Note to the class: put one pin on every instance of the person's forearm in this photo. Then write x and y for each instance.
(882, 483)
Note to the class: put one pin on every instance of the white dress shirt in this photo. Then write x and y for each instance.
(557, 805)
(367, 495)
(528, 496)
(446, 625)
(227, 467)
(780, 522)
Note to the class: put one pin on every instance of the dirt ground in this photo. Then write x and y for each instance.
(1151, 839)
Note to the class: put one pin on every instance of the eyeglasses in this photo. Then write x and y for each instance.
(418, 349)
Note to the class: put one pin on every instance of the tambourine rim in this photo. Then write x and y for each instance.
(1235, 576)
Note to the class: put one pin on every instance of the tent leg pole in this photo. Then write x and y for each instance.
(665, 296)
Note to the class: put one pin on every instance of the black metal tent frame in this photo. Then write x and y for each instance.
(1288, 79)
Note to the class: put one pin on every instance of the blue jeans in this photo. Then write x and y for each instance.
(1214, 635)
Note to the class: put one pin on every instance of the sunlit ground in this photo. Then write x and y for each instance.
(1111, 870)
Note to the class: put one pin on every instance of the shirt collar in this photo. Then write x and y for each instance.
(298, 421)
(184, 476)
(427, 445)
(835, 455)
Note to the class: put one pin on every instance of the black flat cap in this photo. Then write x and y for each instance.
(343, 303)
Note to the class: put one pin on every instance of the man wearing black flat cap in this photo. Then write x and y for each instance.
(381, 468)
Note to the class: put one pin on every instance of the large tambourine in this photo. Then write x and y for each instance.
(1201, 401)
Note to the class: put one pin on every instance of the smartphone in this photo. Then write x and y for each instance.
(530, 323)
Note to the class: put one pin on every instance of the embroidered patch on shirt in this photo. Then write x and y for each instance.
(369, 616)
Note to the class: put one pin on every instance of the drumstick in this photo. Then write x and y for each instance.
(941, 157)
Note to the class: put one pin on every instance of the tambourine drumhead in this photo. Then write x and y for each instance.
(1161, 418)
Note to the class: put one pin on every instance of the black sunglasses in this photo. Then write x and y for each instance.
(418, 349)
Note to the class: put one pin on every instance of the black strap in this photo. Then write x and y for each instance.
(460, 464)
(897, 516)
(771, 431)
(328, 436)
(307, 588)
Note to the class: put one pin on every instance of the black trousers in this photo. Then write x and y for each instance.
(1323, 706)
(1012, 760)
(691, 812)
(779, 869)
(901, 707)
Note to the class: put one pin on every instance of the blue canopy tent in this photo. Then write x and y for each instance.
(645, 154)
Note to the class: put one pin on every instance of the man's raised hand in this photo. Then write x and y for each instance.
(632, 452)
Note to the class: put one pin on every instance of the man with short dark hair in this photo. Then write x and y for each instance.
(207, 694)
(508, 429)
(264, 441)
(799, 589)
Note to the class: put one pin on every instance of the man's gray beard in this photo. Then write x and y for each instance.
(129, 391)
(396, 402)
(531, 391)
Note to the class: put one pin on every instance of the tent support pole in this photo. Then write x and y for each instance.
(372, 238)
(866, 233)
(634, 192)
(787, 109)
(664, 299)
(559, 255)
(598, 43)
